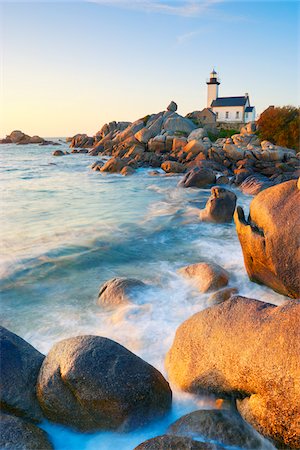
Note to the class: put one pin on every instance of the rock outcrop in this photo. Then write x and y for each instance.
(17, 434)
(220, 206)
(270, 238)
(205, 276)
(20, 138)
(19, 369)
(233, 349)
(119, 291)
(93, 383)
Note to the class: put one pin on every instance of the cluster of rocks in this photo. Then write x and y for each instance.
(175, 144)
(20, 138)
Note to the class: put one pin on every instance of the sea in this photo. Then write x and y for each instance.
(66, 229)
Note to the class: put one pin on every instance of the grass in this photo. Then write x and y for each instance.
(221, 134)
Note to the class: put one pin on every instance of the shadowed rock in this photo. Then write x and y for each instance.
(93, 383)
(220, 206)
(224, 426)
(17, 434)
(199, 178)
(166, 442)
(248, 350)
(270, 238)
(221, 296)
(19, 368)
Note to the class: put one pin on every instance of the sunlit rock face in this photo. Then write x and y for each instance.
(249, 350)
(93, 383)
(270, 238)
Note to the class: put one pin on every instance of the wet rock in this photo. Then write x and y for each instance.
(119, 291)
(20, 365)
(199, 178)
(58, 153)
(113, 165)
(232, 350)
(17, 434)
(173, 167)
(127, 170)
(270, 238)
(172, 106)
(220, 206)
(225, 426)
(167, 442)
(221, 296)
(222, 180)
(256, 183)
(93, 383)
(206, 276)
(97, 165)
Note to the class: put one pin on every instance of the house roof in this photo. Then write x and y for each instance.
(249, 109)
(230, 101)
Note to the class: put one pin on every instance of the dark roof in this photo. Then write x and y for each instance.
(229, 101)
(249, 109)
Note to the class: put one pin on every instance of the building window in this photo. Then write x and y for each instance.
(227, 115)
(237, 116)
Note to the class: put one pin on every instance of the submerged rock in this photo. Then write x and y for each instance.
(270, 238)
(225, 426)
(93, 383)
(119, 291)
(58, 153)
(232, 350)
(206, 276)
(20, 365)
(17, 434)
(220, 206)
(167, 442)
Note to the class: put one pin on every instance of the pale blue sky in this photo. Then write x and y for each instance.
(69, 67)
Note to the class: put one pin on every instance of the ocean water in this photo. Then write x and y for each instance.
(66, 229)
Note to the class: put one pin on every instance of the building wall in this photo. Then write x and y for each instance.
(212, 93)
(250, 117)
(231, 110)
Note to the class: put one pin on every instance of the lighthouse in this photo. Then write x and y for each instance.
(212, 88)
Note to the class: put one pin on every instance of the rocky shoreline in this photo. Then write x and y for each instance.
(243, 352)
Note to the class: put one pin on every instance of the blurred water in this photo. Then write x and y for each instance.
(66, 229)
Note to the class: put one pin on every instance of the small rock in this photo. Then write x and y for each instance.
(206, 276)
(167, 442)
(199, 178)
(172, 106)
(221, 296)
(173, 167)
(127, 170)
(119, 291)
(58, 153)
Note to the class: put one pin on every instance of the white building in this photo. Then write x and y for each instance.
(228, 109)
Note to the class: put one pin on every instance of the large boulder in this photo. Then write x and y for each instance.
(220, 206)
(19, 368)
(93, 383)
(17, 434)
(224, 426)
(270, 238)
(205, 276)
(198, 134)
(248, 350)
(119, 291)
(167, 442)
(177, 123)
(17, 136)
(199, 178)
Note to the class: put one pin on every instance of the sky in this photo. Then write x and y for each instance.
(69, 67)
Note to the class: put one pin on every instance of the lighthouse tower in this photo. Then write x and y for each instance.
(212, 88)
